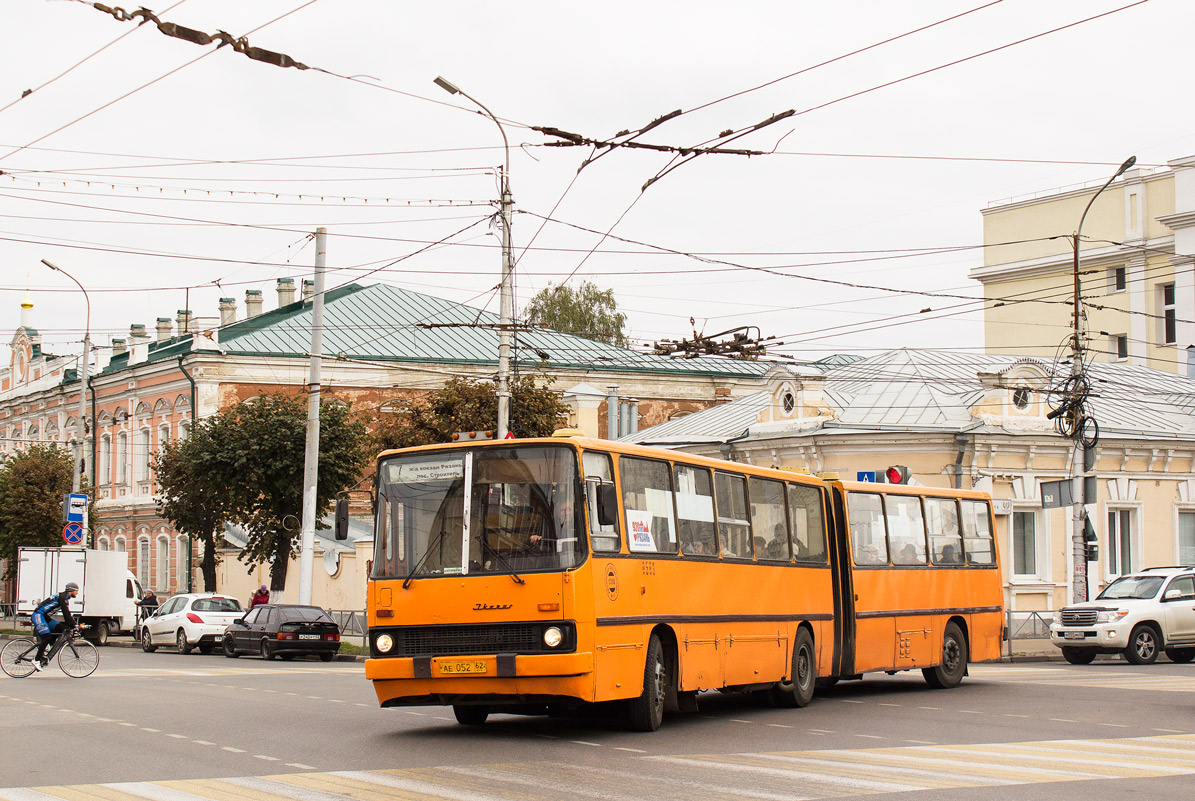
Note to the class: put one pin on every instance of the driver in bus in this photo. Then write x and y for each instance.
(562, 520)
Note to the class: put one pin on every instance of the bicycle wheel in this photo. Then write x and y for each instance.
(17, 657)
(78, 659)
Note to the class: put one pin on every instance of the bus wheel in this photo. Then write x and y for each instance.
(953, 661)
(470, 715)
(647, 711)
(798, 691)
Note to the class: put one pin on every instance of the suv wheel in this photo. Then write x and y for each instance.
(1078, 656)
(1143, 645)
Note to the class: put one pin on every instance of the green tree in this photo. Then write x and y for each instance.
(263, 462)
(585, 311)
(465, 405)
(32, 483)
(192, 495)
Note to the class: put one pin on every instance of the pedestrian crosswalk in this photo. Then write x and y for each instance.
(1116, 677)
(771, 776)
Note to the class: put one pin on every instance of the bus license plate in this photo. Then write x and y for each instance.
(1072, 635)
(453, 668)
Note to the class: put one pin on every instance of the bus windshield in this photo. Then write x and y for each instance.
(519, 503)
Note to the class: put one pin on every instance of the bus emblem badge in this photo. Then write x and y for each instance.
(611, 582)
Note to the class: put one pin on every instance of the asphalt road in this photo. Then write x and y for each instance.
(184, 728)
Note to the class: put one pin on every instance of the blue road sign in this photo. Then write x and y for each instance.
(76, 506)
(72, 533)
(866, 475)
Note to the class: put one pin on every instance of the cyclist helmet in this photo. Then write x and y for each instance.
(71, 586)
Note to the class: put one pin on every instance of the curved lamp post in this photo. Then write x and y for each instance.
(83, 363)
(506, 292)
(1078, 465)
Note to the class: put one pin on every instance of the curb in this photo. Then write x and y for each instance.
(114, 643)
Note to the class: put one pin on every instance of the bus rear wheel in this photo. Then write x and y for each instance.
(470, 715)
(647, 711)
(953, 661)
(798, 690)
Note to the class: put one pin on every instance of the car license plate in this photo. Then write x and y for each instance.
(1072, 635)
(452, 668)
(308, 636)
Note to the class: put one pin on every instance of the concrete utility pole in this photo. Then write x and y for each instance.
(506, 293)
(311, 455)
(1078, 462)
(81, 431)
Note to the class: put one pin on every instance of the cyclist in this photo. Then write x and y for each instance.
(46, 627)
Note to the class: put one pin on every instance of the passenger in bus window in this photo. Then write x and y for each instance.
(777, 547)
(949, 555)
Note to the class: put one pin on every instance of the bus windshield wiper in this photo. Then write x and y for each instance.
(430, 546)
(502, 560)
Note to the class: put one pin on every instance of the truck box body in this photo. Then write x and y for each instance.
(106, 590)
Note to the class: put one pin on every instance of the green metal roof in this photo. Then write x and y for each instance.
(386, 323)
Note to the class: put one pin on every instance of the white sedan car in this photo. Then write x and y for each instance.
(190, 620)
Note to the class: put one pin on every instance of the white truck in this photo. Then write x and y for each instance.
(108, 592)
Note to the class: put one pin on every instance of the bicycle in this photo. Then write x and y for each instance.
(77, 658)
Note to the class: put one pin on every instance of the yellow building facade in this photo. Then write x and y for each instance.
(1135, 270)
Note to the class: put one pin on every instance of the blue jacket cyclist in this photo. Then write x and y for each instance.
(45, 626)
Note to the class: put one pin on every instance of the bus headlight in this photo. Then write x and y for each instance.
(384, 643)
(553, 637)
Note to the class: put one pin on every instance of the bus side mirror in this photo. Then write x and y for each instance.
(607, 505)
(342, 518)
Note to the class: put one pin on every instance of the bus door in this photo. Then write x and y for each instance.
(874, 587)
(844, 601)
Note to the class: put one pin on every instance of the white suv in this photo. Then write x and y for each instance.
(1138, 615)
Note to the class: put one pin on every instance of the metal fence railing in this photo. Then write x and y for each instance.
(351, 621)
(1029, 625)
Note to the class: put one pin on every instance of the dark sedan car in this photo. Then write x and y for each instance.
(284, 630)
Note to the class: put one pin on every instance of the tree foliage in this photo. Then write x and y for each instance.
(192, 495)
(32, 483)
(252, 460)
(585, 311)
(465, 405)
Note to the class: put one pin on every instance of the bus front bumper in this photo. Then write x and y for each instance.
(497, 679)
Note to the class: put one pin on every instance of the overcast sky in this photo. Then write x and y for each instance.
(206, 182)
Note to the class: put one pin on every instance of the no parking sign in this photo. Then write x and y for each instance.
(72, 533)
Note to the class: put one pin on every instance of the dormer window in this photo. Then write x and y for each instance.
(788, 403)
(1020, 397)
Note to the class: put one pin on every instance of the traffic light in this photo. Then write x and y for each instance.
(1091, 546)
(897, 474)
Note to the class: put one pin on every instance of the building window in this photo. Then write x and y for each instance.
(143, 455)
(1169, 319)
(1024, 543)
(1119, 279)
(1020, 397)
(120, 546)
(143, 561)
(163, 577)
(1120, 347)
(789, 402)
(163, 435)
(1186, 538)
(105, 459)
(1120, 542)
(122, 457)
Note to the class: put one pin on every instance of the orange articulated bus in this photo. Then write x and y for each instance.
(542, 575)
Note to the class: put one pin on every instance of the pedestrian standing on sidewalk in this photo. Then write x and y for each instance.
(262, 596)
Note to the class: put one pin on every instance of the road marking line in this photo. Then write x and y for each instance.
(891, 704)
(233, 750)
(872, 736)
(582, 742)
(300, 766)
(1014, 716)
(970, 711)
(177, 736)
(632, 750)
(1115, 725)
(1170, 731)
(408, 712)
(921, 742)
(822, 731)
(152, 731)
(1063, 720)
(266, 758)
(779, 726)
(125, 723)
(931, 708)
(736, 720)
(202, 742)
(849, 701)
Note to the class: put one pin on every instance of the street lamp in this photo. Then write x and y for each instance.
(506, 292)
(1078, 462)
(83, 363)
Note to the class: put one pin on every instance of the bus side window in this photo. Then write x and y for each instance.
(906, 529)
(946, 542)
(599, 474)
(977, 533)
(769, 521)
(695, 510)
(808, 528)
(648, 504)
(734, 528)
(868, 542)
